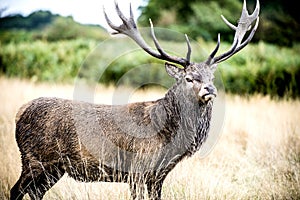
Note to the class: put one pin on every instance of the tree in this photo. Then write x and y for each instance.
(280, 22)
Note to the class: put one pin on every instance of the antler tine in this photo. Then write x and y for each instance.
(227, 54)
(165, 56)
(120, 14)
(189, 52)
(129, 28)
(110, 23)
(157, 45)
(245, 8)
(125, 21)
(213, 53)
(255, 13)
(131, 19)
(244, 25)
(233, 27)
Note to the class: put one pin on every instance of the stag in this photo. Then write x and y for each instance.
(137, 143)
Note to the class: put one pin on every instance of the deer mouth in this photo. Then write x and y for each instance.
(208, 97)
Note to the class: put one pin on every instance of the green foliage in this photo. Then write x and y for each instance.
(278, 27)
(65, 28)
(260, 68)
(35, 20)
(44, 61)
(206, 21)
(182, 9)
(112, 63)
(279, 20)
(264, 69)
(43, 25)
(13, 36)
(197, 19)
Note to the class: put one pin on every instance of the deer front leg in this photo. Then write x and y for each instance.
(137, 191)
(154, 189)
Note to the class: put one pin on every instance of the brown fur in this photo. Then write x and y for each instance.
(57, 136)
(138, 143)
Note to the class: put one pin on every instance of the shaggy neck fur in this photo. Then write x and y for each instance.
(182, 120)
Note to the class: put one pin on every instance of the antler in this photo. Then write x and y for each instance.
(129, 28)
(244, 25)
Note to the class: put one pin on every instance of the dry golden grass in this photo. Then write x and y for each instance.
(257, 156)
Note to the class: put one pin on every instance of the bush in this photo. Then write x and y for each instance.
(260, 68)
(264, 69)
(44, 61)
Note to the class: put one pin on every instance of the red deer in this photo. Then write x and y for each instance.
(138, 143)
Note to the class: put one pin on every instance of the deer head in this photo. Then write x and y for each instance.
(197, 77)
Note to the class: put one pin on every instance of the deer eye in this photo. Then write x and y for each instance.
(188, 79)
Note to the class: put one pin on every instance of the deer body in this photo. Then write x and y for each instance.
(50, 142)
(137, 143)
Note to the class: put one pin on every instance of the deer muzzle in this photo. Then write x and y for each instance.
(207, 92)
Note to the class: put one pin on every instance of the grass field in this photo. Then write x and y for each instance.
(257, 156)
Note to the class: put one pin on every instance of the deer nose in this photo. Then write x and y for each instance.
(210, 89)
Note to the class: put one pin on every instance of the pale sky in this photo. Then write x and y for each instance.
(83, 11)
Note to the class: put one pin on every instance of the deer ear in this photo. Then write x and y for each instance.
(174, 71)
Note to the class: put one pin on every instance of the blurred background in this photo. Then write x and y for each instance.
(48, 42)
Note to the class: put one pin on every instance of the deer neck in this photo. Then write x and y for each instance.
(180, 118)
